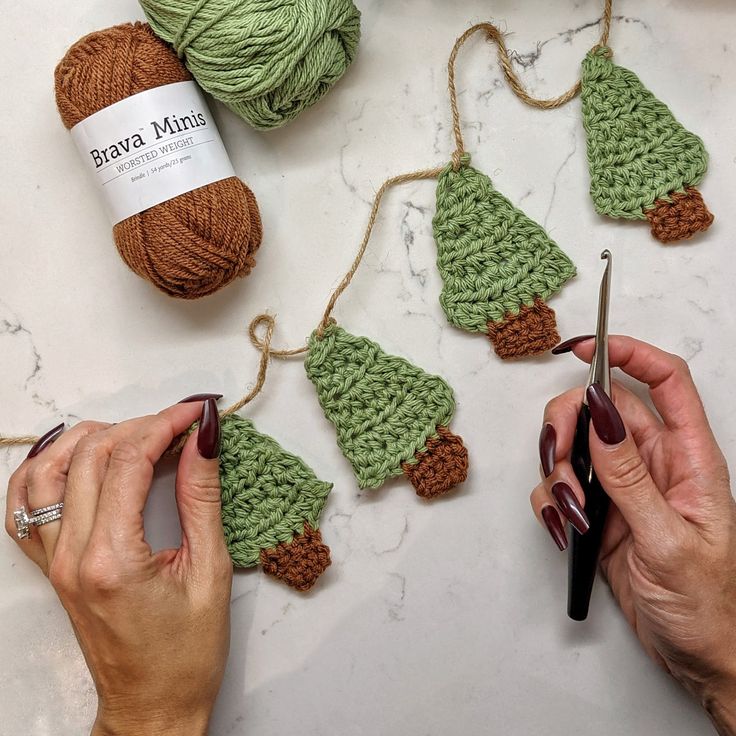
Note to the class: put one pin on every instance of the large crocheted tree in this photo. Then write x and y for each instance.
(497, 265)
(391, 417)
(643, 163)
(271, 504)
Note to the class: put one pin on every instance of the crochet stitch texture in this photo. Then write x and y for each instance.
(267, 60)
(384, 408)
(269, 496)
(638, 152)
(494, 261)
(441, 467)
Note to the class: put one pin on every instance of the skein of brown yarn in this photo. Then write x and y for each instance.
(191, 245)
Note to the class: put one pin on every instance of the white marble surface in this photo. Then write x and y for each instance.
(435, 619)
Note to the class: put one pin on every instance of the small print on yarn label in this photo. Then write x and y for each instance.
(152, 147)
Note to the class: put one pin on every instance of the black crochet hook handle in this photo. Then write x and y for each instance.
(585, 548)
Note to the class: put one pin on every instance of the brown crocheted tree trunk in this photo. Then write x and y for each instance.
(532, 331)
(680, 218)
(300, 562)
(442, 466)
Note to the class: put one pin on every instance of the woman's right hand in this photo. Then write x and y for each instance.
(669, 548)
(154, 627)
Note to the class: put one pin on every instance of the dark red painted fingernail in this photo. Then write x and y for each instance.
(199, 397)
(547, 447)
(568, 345)
(48, 439)
(606, 420)
(554, 525)
(208, 437)
(570, 506)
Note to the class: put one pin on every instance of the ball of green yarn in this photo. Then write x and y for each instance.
(267, 60)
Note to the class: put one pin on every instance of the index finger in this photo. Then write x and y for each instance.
(134, 448)
(668, 376)
(562, 413)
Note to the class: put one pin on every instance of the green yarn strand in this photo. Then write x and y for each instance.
(384, 408)
(267, 493)
(492, 258)
(637, 151)
(267, 60)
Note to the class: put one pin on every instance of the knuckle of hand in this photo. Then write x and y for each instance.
(536, 494)
(205, 489)
(97, 575)
(16, 478)
(45, 471)
(630, 471)
(224, 566)
(551, 406)
(89, 426)
(125, 453)
(161, 425)
(221, 568)
(675, 550)
(91, 448)
(61, 574)
(681, 366)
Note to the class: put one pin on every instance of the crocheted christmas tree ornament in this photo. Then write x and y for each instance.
(391, 417)
(643, 163)
(271, 504)
(497, 265)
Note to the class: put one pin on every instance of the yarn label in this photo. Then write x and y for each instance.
(152, 147)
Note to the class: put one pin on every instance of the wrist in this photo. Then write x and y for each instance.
(152, 724)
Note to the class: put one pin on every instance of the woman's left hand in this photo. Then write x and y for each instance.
(153, 627)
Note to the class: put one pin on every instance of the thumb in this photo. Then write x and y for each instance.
(624, 474)
(198, 488)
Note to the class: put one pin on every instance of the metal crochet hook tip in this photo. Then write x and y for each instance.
(600, 370)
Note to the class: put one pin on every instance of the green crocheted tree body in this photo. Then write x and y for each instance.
(492, 258)
(384, 408)
(637, 151)
(267, 493)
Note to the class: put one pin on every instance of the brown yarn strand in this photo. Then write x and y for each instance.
(504, 58)
(193, 244)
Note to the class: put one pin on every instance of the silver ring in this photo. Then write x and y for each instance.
(24, 521)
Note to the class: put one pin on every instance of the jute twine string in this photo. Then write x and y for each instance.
(393, 181)
(264, 346)
(495, 34)
(18, 441)
(327, 316)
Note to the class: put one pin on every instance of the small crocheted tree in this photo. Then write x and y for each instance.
(271, 504)
(497, 265)
(643, 163)
(391, 417)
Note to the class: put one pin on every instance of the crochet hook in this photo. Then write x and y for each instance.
(585, 548)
